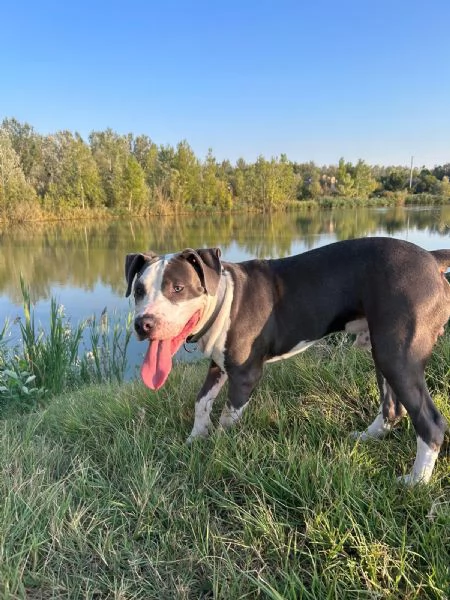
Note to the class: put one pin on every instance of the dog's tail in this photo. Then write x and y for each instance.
(443, 258)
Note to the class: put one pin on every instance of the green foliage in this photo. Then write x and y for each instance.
(445, 187)
(394, 180)
(17, 385)
(215, 190)
(75, 180)
(18, 389)
(49, 356)
(14, 188)
(27, 144)
(132, 174)
(107, 359)
(111, 152)
(53, 361)
(310, 182)
(134, 192)
(355, 181)
(426, 183)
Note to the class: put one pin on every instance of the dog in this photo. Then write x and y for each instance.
(391, 293)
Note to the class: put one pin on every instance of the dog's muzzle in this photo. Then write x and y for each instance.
(144, 325)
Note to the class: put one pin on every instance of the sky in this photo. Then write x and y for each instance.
(316, 80)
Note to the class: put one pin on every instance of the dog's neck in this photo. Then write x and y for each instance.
(211, 312)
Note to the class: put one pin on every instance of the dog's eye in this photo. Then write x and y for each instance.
(178, 288)
(139, 291)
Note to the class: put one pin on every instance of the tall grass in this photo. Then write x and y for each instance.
(50, 356)
(61, 357)
(100, 498)
(107, 359)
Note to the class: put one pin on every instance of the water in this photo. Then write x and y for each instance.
(82, 263)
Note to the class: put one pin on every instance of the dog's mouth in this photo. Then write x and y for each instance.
(158, 358)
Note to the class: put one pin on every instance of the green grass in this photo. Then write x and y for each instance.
(102, 499)
(49, 361)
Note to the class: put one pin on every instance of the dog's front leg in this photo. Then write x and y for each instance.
(205, 399)
(242, 383)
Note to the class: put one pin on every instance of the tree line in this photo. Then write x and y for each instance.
(52, 175)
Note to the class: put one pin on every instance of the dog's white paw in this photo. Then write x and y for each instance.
(202, 433)
(423, 465)
(357, 435)
(377, 430)
(363, 436)
(411, 479)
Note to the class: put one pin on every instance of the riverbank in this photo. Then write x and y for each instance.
(101, 497)
(34, 213)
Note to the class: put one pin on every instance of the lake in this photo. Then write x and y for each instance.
(81, 264)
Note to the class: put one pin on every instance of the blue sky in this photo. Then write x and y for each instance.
(315, 80)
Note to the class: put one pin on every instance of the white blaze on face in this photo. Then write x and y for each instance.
(151, 279)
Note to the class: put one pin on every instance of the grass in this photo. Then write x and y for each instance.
(61, 357)
(102, 499)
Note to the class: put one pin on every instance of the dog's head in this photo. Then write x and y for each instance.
(172, 294)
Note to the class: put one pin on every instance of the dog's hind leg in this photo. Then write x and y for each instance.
(391, 411)
(411, 390)
(205, 399)
(430, 427)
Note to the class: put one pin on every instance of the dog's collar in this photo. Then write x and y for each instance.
(192, 339)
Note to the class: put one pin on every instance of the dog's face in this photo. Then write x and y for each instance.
(171, 294)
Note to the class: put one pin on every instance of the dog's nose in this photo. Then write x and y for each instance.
(144, 324)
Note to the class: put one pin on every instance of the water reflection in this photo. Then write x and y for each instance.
(82, 263)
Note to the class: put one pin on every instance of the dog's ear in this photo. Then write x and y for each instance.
(133, 264)
(206, 261)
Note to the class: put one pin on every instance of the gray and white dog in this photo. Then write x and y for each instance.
(243, 315)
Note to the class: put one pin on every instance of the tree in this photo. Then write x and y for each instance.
(146, 153)
(111, 152)
(345, 183)
(14, 188)
(238, 179)
(186, 180)
(162, 173)
(215, 190)
(133, 186)
(445, 187)
(309, 186)
(395, 180)
(75, 181)
(442, 171)
(27, 145)
(355, 181)
(275, 182)
(426, 183)
(364, 182)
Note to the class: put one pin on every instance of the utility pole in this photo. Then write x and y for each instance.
(411, 172)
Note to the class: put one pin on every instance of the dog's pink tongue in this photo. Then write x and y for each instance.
(157, 363)
(158, 360)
